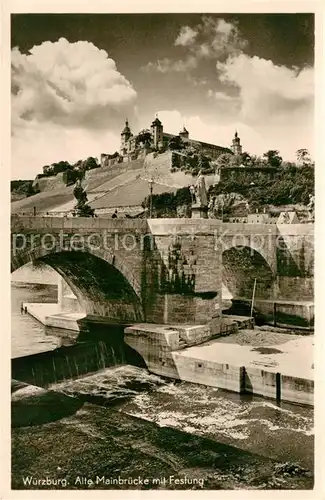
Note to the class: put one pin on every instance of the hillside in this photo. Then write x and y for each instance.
(288, 185)
(62, 199)
(122, 185)
(126, 185)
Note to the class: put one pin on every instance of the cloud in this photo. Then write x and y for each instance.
(269, 92)
(255, 139)
(186, 36)
(36, 146)
(206, 131)
(220, 96)
(68, 83)
(167, 65)
(217, 38)
(64, 91)
(212, 39)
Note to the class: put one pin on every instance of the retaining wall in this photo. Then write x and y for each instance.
(162, 348)
(210, 373)
(297, 390)
(257, 381)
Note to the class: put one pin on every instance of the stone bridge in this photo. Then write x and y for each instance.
(166, 270)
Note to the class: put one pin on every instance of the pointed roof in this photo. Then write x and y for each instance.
(156, 121)
(126, 129)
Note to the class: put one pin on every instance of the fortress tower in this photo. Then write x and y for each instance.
(157, 133)
(236, 147)
(125, 136)
(184, 134)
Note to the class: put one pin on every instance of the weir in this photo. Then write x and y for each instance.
(93, 350)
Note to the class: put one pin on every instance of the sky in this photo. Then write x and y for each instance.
(77, 77)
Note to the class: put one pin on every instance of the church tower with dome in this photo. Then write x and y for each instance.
(125, 136)
(236, 147)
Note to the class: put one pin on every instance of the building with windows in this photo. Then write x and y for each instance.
(156, 139)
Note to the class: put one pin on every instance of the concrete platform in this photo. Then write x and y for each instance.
(282, 371)
(50, 314)
(294, 357)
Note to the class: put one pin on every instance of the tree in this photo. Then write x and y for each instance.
(273, 158)
(90, 163)
(222, 204)
(143, 138)
(48, 170)
(257, 161)
(246, 159)
(70, 177)
(235, 160)
(61, 166)
(303, 157)
(166, 204)
(223, 160)
(82, 166)
(82, 208)
(175, 143)
(77, 165)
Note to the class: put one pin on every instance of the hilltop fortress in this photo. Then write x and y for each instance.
(157, 140)
(121, 182)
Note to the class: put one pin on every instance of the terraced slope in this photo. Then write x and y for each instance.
(130, 194)
(131, 188)
(63, 199)
(43, 202)
(124, 185)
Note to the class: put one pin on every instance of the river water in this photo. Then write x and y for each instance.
(282, 432)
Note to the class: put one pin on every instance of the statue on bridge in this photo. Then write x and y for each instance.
(82, 208)
(199, 197)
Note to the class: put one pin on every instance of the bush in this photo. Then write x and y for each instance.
(288, 185)
(165, 204)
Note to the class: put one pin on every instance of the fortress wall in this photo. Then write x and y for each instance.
(159, 168)
(112, 171)
(50, 183)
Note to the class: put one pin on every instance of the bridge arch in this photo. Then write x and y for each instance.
(102, 282)
(241, 265)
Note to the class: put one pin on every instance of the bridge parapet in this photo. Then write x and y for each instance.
(86, 224)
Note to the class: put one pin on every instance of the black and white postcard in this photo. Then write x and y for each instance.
(161, 306)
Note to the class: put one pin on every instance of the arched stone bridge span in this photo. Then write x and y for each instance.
(161, 270)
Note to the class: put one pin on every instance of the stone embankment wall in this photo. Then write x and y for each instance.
(164, 352)
(289, 314)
